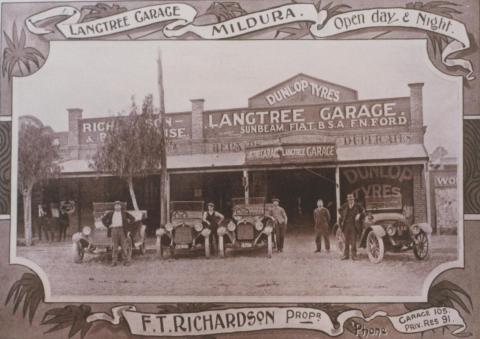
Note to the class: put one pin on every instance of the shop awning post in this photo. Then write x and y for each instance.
(246, 188)
(337, 191)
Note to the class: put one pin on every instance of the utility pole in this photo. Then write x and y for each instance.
(163, 159)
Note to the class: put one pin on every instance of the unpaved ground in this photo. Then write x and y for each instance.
(295, 272)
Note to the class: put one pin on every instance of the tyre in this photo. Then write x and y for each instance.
(78, 252)
(375, 247)
(421, 246)
(269, 246)
(340, 240)
(221, 247)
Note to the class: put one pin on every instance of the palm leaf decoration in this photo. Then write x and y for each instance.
(302, 29)
(16, 55)
(71, 316)
(445, 294)
(443, 8)
(101, 10)
(225, 10)
(28, 288)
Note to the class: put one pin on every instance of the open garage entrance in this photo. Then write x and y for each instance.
(216, 187)
(298, 191)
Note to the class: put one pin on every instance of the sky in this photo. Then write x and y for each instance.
(101, 77)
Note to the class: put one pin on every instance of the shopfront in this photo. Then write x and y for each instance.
(300, 140)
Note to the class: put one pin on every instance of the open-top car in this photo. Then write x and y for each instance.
(185, 231)
(250, 227)
(96, 239)
(387, 229)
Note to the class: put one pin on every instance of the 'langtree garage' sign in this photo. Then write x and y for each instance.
(290, 153)
(367, 114)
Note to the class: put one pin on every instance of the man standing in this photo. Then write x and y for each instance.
(278, 213)
(321, 217)
(350, 214)
(213, 218)
(117, 220)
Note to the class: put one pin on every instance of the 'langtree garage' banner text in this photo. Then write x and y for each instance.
(367, 114)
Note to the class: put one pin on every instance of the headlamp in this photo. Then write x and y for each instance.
(206, 232)
(258, 225)
(86, 230)
(160, 232)
(267, 230)
(221, 230)
(415, 229)
(390, 230)
(231, 226)
(169, 227)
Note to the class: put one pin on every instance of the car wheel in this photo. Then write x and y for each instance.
(421, 246)
(375, 247)
(127, 248)
(340, 240)
(78, 253)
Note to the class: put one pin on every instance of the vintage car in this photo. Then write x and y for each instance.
(185, 231)
(250, 227)
(388, 230)
(97, 239)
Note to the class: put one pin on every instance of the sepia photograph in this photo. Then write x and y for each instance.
(241, 171)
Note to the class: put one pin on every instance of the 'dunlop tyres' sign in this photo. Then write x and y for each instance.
(367, 114)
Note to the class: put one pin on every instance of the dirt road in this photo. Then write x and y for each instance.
(295, 272)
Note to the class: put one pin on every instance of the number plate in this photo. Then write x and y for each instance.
(245, 245)
(181, 246)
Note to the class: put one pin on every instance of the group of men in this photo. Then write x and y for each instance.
(351, 215)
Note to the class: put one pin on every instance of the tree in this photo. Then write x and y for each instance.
(37, 160)
(133, 147)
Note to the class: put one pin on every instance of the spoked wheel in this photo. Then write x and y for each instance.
(375, 248)
(78, 252)
(340, 240)
(421, 246)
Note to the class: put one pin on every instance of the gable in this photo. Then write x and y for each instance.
(302, 89)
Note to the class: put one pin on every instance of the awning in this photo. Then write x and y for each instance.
(208, 160)
(384, 152)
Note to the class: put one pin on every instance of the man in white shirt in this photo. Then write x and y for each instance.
(117, 220)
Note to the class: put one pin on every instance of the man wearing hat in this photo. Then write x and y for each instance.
(117, 221)
(212, 218)
(321, 218)
(351, 216)
(280, 216)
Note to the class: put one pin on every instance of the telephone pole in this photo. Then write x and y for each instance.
(163, 158)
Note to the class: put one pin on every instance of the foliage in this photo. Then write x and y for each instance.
(37, 155)
(101, 10)
(440, 8)
(303, 28)
(28, 288)
(225, 10)
(16, 54)
(71, 316)
(133, 147)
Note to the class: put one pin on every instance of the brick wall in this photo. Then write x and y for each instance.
(419, 195)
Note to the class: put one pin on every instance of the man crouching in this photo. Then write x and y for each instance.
(117, 220)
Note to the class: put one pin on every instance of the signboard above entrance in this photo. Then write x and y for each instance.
(361, 115)
(297, 153)
(94, 130)
(302, 89)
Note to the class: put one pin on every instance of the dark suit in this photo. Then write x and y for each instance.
(118, 233)
(350, 226)
(321, 217)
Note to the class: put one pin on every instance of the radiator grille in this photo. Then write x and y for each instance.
(245, 232)
(183, 235)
